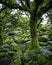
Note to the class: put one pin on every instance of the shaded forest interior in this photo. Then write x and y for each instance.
(25, 32)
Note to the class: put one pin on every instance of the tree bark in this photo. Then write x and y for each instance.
(33, 31)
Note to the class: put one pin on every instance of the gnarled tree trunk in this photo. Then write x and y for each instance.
(33, 31)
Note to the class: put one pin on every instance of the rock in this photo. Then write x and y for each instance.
(4, 61)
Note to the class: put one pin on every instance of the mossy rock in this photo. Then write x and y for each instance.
(5, 61)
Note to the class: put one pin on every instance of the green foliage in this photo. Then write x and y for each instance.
(17, 58)
(16, 38)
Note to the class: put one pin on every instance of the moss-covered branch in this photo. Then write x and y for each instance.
(13, 5)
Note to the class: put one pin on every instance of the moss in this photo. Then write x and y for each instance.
(35, 45)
